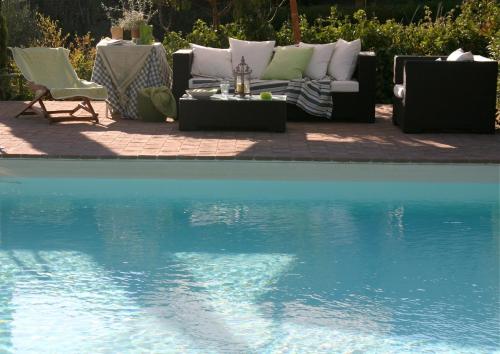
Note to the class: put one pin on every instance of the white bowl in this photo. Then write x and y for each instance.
(201, 93)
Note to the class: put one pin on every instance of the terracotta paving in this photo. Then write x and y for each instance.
(33, 136)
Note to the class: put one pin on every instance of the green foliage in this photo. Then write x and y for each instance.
(21, 22)
(173, 41)
(3, 41)
(4, 79)
(205, 35)
(494, 49)
(474, 26)
(202, 34)
(82, 53)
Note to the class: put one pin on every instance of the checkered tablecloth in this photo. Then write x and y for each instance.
(156, 72)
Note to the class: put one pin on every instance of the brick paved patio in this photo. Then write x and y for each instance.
(34, 137)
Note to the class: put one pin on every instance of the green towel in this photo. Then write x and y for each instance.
(161, 99)
(51, 68)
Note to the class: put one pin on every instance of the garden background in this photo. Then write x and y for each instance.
(386, 27)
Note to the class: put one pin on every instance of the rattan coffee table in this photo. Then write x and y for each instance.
(233, 113)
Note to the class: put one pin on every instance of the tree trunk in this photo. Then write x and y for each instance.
(294, 13)
(215, 13)
(359, 3)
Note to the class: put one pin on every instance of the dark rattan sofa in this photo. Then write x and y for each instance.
(444, 96)
(347, 106)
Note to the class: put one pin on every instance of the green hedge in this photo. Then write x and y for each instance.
(4, 80)
(475, 27)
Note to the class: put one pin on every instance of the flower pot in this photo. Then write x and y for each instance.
(126, 35)
(116, 32)
(136, 33)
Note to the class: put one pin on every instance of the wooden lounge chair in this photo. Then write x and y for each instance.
(51, 76)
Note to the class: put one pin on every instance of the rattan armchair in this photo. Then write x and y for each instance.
(444, 96)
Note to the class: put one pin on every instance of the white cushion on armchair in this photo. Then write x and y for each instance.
(460, 55)
(399, 91)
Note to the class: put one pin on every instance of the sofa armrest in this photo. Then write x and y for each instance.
(367, 72)
(367, 79)
(400, 61)
(182, 61)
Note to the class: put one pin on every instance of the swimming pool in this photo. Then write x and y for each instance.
(211, 257)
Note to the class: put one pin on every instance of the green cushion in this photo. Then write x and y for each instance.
(288, 63)
(156, 103)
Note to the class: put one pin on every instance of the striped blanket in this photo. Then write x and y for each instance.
(313, 96)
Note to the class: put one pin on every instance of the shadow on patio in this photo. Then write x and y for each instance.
(381, 141)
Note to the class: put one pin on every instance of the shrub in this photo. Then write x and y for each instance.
(4, 79)
(21, 22)
(202, 34)
(3, 41)
(82, 52)
(474, 26)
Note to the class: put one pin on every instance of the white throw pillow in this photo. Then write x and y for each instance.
(460, 55)
(211, 62)
(318, 66)
(257, 54)
(344, 59)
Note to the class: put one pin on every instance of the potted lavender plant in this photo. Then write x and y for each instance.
(131, 15)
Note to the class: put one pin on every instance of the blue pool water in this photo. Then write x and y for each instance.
(210, 266)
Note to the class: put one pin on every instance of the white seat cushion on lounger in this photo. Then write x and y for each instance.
(344, 86)
(399, 91)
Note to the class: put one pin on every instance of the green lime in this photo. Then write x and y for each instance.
(266, 95)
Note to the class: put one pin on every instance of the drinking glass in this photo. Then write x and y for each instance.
(224, 88)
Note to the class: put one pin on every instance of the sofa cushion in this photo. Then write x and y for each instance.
(318, 66)
(211, 62)
(344, 59)
(257, 54)
(274, 86)
(399, 91)
(288, 63)
(201, 82)
(460, 55)
(480, 58)
(344, 86)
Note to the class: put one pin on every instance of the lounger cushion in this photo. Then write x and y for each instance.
(344, 86)
(50, 67)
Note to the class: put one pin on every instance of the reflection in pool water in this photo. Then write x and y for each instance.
(139, 272)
